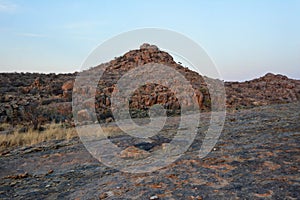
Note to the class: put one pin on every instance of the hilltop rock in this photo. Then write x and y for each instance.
(150, 94)
(149, 47)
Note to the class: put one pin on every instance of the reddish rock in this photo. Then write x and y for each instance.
(49, 91)
(269, 89)
(133, 153)
(264, 195)
(271, 166)
(68, 85)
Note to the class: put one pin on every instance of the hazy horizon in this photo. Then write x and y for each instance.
(246, 40)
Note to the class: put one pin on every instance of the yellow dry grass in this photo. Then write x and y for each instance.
(52, 132)
(4, 126)
(55, 132)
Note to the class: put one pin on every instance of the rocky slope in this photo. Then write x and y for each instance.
(33, 97)
(256, 157)
(40, 98)
(266, 90)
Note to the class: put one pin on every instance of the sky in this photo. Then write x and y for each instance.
(245, 39)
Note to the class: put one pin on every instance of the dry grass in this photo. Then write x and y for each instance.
(4, 126)
(52, 132)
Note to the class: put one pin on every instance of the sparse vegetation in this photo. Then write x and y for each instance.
(52, 132)
(4, 126)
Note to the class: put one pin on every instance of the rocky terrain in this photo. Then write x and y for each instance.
(256, 157)
(36, 97)
(266, 90)
(40, 98)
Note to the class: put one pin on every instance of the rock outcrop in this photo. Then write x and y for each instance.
(48, 97)
(266, 90)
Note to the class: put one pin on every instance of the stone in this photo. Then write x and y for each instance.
(109, 119)
(133, 152)
(83, 115)
(145, 146)
(68, 85)
(145, 46)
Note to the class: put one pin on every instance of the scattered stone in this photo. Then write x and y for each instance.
(106, 195)
(18, 176)
(264, 195)
(108, 120)
(271, 166)
(153, 197)
(133, 152)
(145, 146)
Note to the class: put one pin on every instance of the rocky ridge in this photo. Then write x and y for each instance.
(41, 98)
(266, 90)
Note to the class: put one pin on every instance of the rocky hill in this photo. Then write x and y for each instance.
(147, 95)
(29, 97)
(40, 98)
(266, 90)
(256, 156)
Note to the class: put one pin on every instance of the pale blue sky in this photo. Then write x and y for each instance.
(246, 39)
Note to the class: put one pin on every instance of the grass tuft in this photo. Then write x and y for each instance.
(52, 132)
